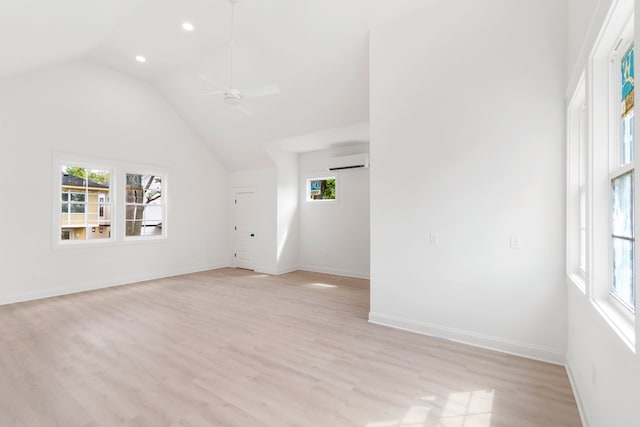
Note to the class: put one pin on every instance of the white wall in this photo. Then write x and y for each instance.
(264, 183)
(287, 211)
(334, 238)
(585, 18)
(85, 109)
(467, 143)
(610, 398)
(580, 15)
(276, 241)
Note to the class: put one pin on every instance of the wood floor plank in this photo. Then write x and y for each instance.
(235, 348)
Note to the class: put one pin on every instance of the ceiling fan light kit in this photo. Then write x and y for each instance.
(232, 98)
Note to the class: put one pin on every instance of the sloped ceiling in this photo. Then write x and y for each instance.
(316, 51)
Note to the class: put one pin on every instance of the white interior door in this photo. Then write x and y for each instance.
(245, 230)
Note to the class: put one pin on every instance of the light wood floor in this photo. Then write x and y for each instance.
(233, 348)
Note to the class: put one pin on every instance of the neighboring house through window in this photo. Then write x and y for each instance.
(85, 203)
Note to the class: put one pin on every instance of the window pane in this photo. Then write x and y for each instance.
(583, 231)
(133, 228)
(133, 212)
(622, 205)
(152, 182)
(151, 228)
(144, 208)
(85, 203)
(98, 178)
(135, 196)
(77, 208)
(100, 232)
(153, 213)
(623, 271)
(627, 98)
(321, 189)
(627, 133)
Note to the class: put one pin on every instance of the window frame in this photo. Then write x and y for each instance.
(577, 188)
(603, 108)
(320, 177)
(57, 223)
(616, 169)
(68, 203)
(163, 175)
(115, 202)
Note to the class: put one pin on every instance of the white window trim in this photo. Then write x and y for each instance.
(61, 160)
(117, 196)
(604, 126)
(318, 177)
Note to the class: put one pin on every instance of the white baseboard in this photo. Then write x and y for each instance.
(335, 271)
(576, 394)
(103, 283)
(502, 345)
(286, 270)
(275, 271)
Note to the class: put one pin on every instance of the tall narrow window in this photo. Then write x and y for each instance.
(582, 193)
(84, 202)
(622, 193)
(145, 205)
(577, 187)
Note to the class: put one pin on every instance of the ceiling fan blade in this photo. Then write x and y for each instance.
(215, 92)
(206, 78)
(244, 110)
(261, 91)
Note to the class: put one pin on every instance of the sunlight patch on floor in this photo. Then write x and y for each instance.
(463, 409)
(321, 285)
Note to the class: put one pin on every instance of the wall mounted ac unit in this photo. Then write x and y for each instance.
(353, 161)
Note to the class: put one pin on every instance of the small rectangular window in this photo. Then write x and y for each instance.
(144, 205)
(319, 189)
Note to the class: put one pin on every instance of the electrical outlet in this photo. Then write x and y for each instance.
(434, 239)
(594, 375)
(514, 242)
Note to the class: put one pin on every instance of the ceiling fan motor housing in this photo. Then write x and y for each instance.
(232, 98)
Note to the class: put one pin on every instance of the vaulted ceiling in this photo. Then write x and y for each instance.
(316, 51)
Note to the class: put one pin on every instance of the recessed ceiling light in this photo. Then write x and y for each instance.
(187, 26)
(141, 58)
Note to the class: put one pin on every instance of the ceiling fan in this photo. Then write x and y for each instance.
(231, 95)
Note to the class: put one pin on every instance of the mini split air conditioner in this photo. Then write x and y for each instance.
(353, 161)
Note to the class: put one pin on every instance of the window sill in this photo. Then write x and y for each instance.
(322, 202)
(101, 243)
(578, 281)
(621, 324)
(138, 239)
